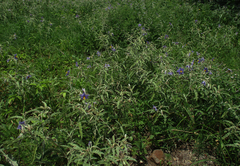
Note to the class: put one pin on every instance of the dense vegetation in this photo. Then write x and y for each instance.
(96, 82)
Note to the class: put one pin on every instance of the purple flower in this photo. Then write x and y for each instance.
(170, 23)
(15, 56)
(155, 108)
(77, 64)
(166, 54)
(205, 69)
(213, 59)
(88, 58)
(202, 59)
(20, 125)
(180, 71)
(187, 66)
(28, 77)
(164, 46)
(192, 62)
(166, 36)
(50, 24)
(236, 33)
(199, 60)
(219, 25)
(139, 25)
(8, 60)
(147, 42)
(210, 73)
(143, 28)
(98, 53)
(229, 70)
(89, 66)
(176, 43)
(67, 73)
(27, 20)
(198, 53)
(204, 83)
(196, 21)
(107, 65)
(89, 143)
(84, 96)
(113, 49)
(77, 16)
(170, 73)
(189, 54)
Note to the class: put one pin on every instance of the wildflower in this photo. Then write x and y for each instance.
(187, 66)
(176, 43)
(84, 96)
(192, 63)
(199, 60)
(27, 20)
(15, 56)
(180, 71)
(170, 23)
(219, 25)
(236, 33)
(67, 73)
(196, 21)
(77, 16)
(147, 42)
(164, 46)
(77, 64)
(229, 70)
(170, 73)
(144, 34)
(107, 65)
(113, 49)
(90, 143)
(189, 54)
(50, 24)
(88, 58)
(198, 53)
(202, 59)
(8, 60)
(155, 108)
(28, 77)
(213, 59)
(89, 106)
(166, 54)
(210, 73)
(89, 66)
(139, 25)
(98, 53)
(20, 125)
(166, 36)
(204, 83)
(143, 28)
(205, 69)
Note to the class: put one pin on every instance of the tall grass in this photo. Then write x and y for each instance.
(97, 82)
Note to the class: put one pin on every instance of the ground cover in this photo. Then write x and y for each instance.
(105, 82)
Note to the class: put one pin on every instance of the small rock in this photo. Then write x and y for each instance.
(157, 156)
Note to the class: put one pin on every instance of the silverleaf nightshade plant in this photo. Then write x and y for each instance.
(20, 125)
(84, 95)
(180, 71)
(67, 73)
(155, 108)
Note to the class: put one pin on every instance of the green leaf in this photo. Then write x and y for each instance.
(80, 129)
